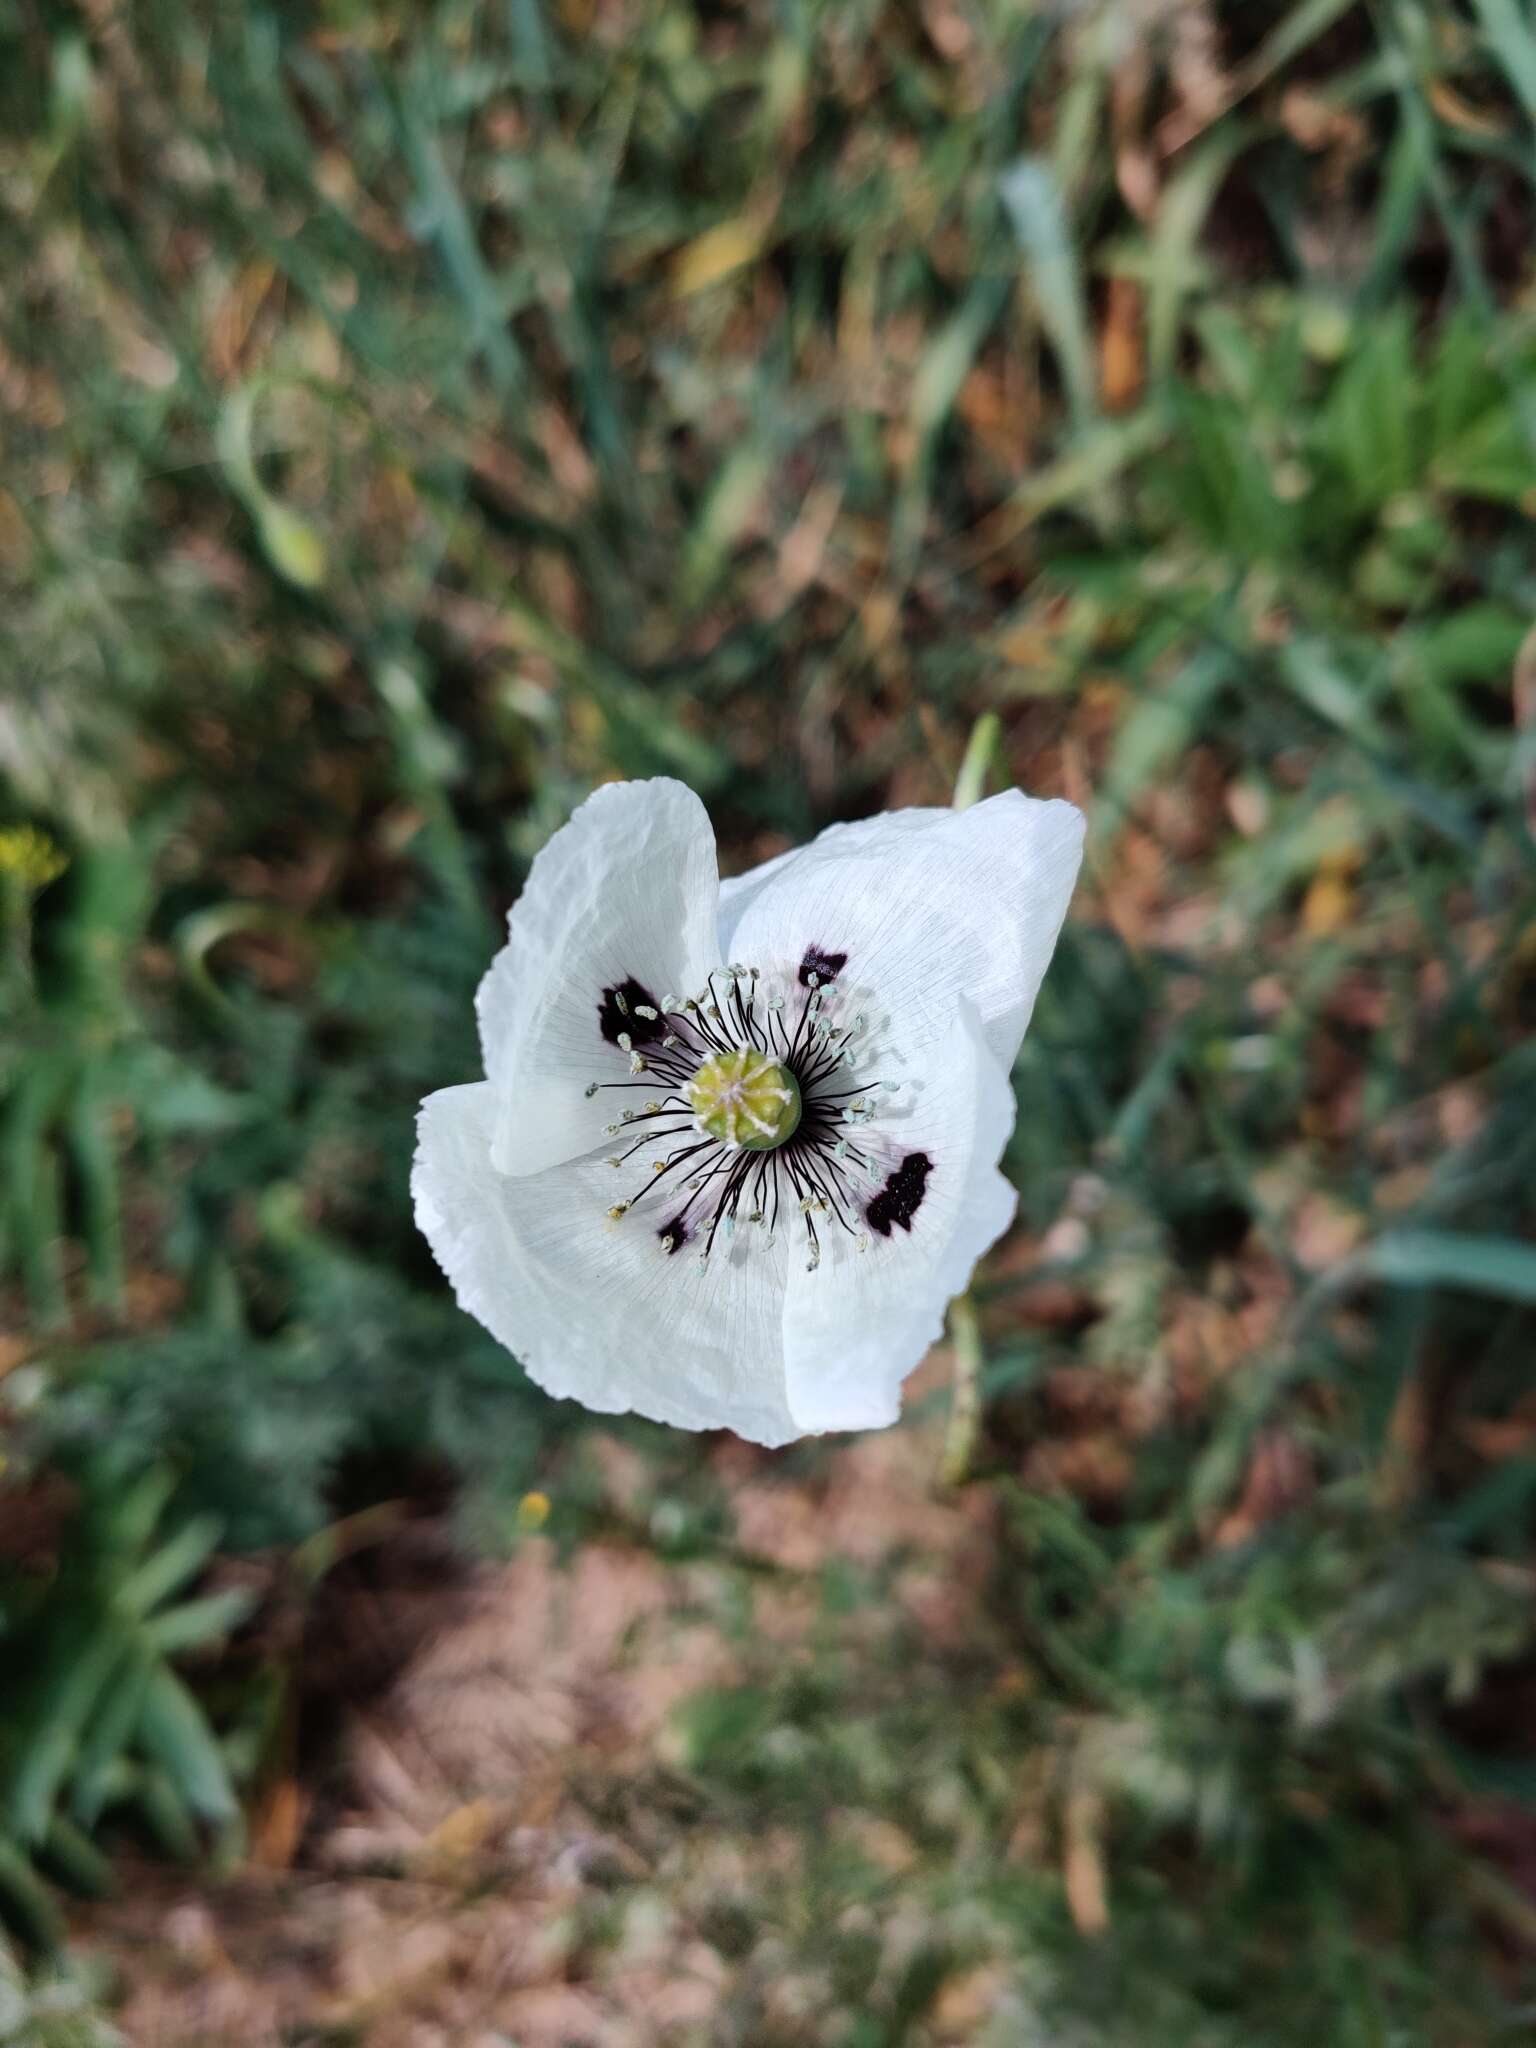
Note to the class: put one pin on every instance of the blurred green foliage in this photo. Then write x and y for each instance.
(51, 2007)
(93, 1717)
(413, 414)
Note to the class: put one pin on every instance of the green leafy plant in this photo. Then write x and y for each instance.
(97, 1725)
(53, 2006)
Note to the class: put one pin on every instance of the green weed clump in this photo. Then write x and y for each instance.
(414, 415)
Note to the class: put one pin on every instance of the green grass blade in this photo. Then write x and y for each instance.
(1038, 213)
(1503, 1267)
(176, 1735)
(1512, 38)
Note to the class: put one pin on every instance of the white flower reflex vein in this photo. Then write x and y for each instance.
(737, 1145)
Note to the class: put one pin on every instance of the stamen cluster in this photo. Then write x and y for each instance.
(721, 1070)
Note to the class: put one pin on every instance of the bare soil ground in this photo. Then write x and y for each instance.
(507, 1845)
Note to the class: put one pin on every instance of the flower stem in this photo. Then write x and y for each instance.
(971, 782)
(965, 1405)
(964, 1331)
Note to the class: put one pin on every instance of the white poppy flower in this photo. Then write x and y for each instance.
(738, 1143)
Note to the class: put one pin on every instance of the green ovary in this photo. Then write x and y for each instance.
(745, 1099)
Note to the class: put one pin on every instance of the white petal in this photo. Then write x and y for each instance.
(928, 905)
(596, 1310)
(857, 1326)
(628, 888)
(738, 892)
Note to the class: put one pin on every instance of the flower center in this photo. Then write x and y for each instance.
(745, 1100)
(755, 1111)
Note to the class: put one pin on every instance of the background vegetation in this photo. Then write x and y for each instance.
(414, 414)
